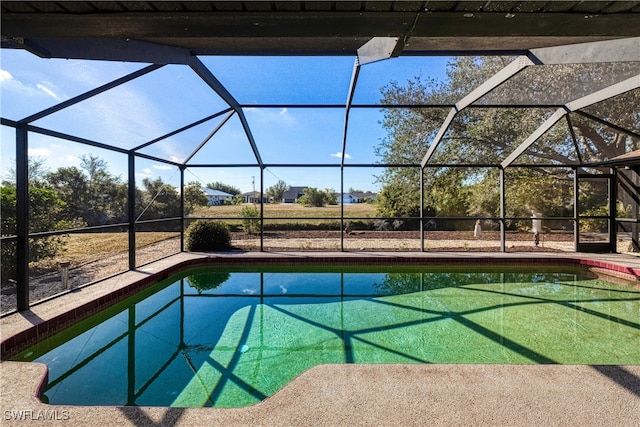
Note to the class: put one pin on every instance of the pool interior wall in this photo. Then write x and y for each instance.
(219, 336)
(24, 329)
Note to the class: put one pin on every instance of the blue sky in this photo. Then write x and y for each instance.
(174, 96)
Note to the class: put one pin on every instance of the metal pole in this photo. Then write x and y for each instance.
(22, 218)
(503, 225)
(182, 221)
(576, 210)
(261, 208)
(131, 210)
(421, 209)
(635, 209)
(342, 206)
(613, 198)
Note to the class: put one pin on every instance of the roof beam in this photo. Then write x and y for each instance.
(113, 35)
(513, 68)
(145, 25)
(352, 88)
(206, 75)
(376, 49)
(621, 50)
(91, 93)
(105, 49)
(585, 101)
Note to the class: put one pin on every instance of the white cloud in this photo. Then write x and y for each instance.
(146, 173)
(48, 91)
(5, 76)
(272, 116)
(40, 152)
(163, 167)
(339, 155)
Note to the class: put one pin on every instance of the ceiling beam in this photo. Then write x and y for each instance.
(309, 32)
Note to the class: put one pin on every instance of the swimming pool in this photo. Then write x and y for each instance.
(233, 336)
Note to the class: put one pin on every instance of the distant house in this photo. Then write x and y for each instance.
(347, 199)
(292, 194)
(217, 197)
(253, 197)
(357, 197)
(366, 196)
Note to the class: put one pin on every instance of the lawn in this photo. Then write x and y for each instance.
(294, 210)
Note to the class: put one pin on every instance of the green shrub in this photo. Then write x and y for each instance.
(207, 281)
(250, 219)
(208, 235)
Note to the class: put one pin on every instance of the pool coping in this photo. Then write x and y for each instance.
(24, 329)
(373, 395)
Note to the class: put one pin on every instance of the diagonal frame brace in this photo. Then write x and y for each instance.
(211, 134)
(585, 101)
(203, 72)
(513, 68)
(91, 93)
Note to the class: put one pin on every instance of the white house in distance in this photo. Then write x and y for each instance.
(348, 198)
(217, 197)
(357, 197)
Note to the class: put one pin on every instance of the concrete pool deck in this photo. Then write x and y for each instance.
(345, 394)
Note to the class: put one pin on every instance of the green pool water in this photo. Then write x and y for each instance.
(229, 338)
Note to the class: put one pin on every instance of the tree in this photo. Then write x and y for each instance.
(93, 196)
(313, 197)
(194, 197)
(276, 191)
(489, 135)
(224, 187)
(36, 173)
(160, 200)
(330, 196)
(44, 209)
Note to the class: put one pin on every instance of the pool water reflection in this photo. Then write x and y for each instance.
(232, 337)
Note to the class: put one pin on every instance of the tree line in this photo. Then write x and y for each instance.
(488, 135)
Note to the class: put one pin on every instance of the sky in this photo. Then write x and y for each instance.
(173, 96)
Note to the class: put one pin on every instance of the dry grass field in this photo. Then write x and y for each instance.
(293, 210)
(82, 248)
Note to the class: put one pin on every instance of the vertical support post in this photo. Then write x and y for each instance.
(503, 210)
(182, 221)
(635, 210)
(131, 210)
(613, 199)
(342, 206)
(421, 209)
(576, 210)
(22, 218)
(261, 208)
